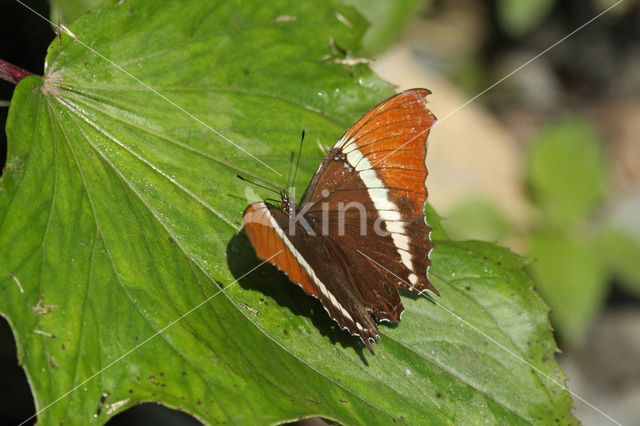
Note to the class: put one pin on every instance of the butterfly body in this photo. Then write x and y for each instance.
(359, 233)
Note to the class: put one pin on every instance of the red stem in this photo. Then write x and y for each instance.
(12, 73)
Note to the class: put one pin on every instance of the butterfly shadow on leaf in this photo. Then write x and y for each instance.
(275, 284)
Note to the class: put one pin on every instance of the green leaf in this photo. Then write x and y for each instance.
(389, 20)
(435, 222)
(567, 172)
(621, 252)
(517, 17)
(119, 219)
(66, 11)
(572, 276)
(477, 219)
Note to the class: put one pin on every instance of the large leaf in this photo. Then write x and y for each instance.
(119, 214)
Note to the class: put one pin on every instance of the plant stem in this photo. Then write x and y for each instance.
(12, 73)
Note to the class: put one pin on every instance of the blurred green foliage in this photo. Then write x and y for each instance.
(567, 172)
(576, 253)
(478, 219)
(568, 177)
(388, 20)
(471, 75)
(572, 278)
(516, 17)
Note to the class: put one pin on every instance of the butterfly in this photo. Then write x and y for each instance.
(359, 233)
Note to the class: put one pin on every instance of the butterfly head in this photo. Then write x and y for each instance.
(287, 202)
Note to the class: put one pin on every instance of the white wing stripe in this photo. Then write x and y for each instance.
(387, 210)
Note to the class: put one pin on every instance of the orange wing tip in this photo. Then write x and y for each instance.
(252, 213)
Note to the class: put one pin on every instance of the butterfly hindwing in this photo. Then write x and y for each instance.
(316, 264)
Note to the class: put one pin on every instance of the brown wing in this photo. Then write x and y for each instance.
(379, 164)
(314, 263)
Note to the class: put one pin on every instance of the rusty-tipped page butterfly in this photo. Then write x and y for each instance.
(359, 233)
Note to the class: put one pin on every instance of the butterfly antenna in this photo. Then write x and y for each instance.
(290, 167)
(258, 185)
(293, 183)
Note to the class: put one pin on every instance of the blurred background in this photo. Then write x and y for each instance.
(547, 162)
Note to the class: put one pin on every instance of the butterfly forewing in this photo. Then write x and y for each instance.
(380, 162)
